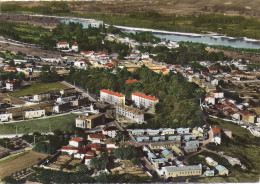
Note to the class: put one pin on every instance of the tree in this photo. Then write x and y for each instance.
(125, 152)
(99, 163)
(136, 161)
(81, 168)
(103, 178)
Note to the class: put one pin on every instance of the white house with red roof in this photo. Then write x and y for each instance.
(111, 97)
(96, 138)
(210, 99)
(144, 100)
(63, 45)
(12, 85)
(70, 149)
(110, 131)
(213, 70)
(82, 63)
(77, 142)
(217, 94)
(87, 54)
(75, 47)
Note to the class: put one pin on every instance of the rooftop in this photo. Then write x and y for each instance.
(97, 136)
(131, 109)
(216, 130)
(183, 168)
(111, 93)
(145, 96)
(220, 168)
(131, 81)
(76, 139)
(246, 113)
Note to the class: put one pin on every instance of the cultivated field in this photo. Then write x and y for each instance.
(61, 122)
(39, 87)
(9, 167)
(65, 160)
(127, 167)
(8, 98)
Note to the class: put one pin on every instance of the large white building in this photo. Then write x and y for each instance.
(41, 97)
(6, 117)
(146, 101)
(130, 112)
(111, 97)
(63, 45)
(12, 85)
(34, 114)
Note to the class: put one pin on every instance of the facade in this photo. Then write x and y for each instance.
(192, 170)
(210, 100)
(216, 135)
(221, 170)
(168, 131)
(110, 131)
(111, 97)
(59, 108)
(67, 91)
(211, 162)
(90, 122)
(145, 101)
(217, 94)
(34, 114)
(41, 97)
(247, 117)
(63, 45)
(75, 47)
(178, 151)
(12, 85)
(77, 142)
(183, 130)
(6, 117)
(130, 112)
(166, 145)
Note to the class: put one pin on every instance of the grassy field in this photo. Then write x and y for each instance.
(243, 146)
(24, 161)
(62, 122)
(39, 87)
(8, 98)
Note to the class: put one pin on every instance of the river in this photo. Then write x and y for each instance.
(210, 39)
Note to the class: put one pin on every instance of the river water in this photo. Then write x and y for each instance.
(210, 39)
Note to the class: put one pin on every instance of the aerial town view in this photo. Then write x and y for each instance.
(130, 91)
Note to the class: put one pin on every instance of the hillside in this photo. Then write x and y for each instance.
(179, 7)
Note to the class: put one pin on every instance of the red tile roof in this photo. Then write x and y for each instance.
(86, 53)
(76, 139)
(94, 145)
(97, 136)
(75, 44)
(88, 157)
(131, 81)
(109, 65)
(69, 148)
(10, 68)
(216, 91)
(84, 60)
(177, 66)
(13, 81)
(221, 106)
(205, 74)
(62, 43)
(230, 111)
(90, 152)
(114, 59)
(145, 59)
(213, 68)
(246, 113)
(145, 96)
(111, 93)
(110, 128)
(134, 53)
(216, 130)
(207, 96)
(82, 152)
(231, 105)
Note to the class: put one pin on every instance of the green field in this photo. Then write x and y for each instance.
(243, 146)
(39, 87)
(62, 122)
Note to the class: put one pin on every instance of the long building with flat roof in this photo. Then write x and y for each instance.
(191, 170)
(111, 97)
(142, 100)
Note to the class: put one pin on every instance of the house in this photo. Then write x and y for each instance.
(153, 132)
(247, 117)
(209, 173)
(63, 45)
(168, 131)
(151, 155)
(174, 137)
(82, 63)
(65, 99)
(130, 112)
(191, 146)
(167, 154)
(158, 161)
(213, 70)
(211, 162)
(183, 130)
(158, 138)
(191, 170)
(209, 99)
(34, 114)
(111, 97)
(96, 138)
(222, 170)
(75, 47)
(189, 137)
(216, 135)
(77, 142)
(177, 151)
(12, 85)
(6, 117)
(131, 81)
(87, 54)
(91, 121)
(62, 107)
(67, 91)
(217, 94)
(88, 159)
(142, 138)
(137, 132)
(70, 149)
(145, 101)
(233, 114)
(110, 131)
(167, 145)
(198, 132)
(41, 97)
(10, 69)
